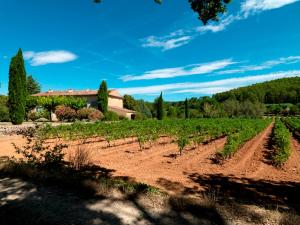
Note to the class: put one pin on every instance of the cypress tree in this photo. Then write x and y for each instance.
(160, 107)
(32, 86)
(102, 97)
(17, 92)
(186, 109)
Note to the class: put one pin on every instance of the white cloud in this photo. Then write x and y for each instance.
(225, 84)
(188, 70)
(266, 65)
(249, 7)
(43, 58)
(220, 26)
(184, 36)
(173, 40)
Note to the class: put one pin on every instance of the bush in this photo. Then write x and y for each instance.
(123, 118)
(89, 114)
(95, 115)
(4, 114)
(34, 116)
(111, 116)
(65, 113)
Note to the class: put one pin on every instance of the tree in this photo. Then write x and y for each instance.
(172, 112)
(186, 109)
(17, 92)
(102, 98)
(207, 9)
(160, 107)
(33, 87)
(129, 102)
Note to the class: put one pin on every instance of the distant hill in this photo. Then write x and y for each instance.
(285, 90)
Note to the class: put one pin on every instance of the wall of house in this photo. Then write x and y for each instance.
(116, 102)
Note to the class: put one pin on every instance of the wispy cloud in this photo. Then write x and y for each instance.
(184, 36)
(265, 65)
(249, 7)
(188, 70)
(210, 87)
(48, 57)
(173, 40)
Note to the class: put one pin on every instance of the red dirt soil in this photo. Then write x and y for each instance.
(161, 166)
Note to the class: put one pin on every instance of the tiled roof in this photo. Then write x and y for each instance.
(111, 93)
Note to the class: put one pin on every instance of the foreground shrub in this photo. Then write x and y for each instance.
(111, 116)
(37, 153)
(80, 158)
(65, 113)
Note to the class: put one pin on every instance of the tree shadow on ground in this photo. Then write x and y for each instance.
(241, 190)
(65, 200)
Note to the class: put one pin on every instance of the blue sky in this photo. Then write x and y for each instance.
(142, 48)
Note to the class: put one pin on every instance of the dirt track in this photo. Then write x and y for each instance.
(194, 171)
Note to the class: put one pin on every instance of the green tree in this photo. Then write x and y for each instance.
(160, 107)
(33, 87)
(129, 102)
(207, 9)
(172, 112)
(186, 109)
(102, 98)
(17, 92)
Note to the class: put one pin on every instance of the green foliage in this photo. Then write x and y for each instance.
(4, 111)
(38, 115)
(282, 143)
(182, 141)
(111, 116)
(186, 109)
(33, 87)
(246, 131)
(17, 89)
(172, 112)
(160, 107)
(209, 9)
(143, 109)
(147, 131)
(129, 102)
(102, 98)
(293, 124)
(51, 102)
(285, 90)
(37, 153)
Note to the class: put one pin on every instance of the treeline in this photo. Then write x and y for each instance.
(277, 97)
(285, 90)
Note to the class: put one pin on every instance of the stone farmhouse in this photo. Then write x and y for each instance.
(115, 100)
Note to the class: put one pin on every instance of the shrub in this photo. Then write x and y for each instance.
(65, 113)
(95, 115)
(111, 116)
(4, 114)
(123, 118)
(34, 116)
(80, 158)
(89, 114)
